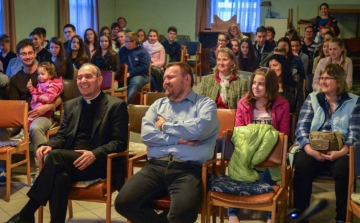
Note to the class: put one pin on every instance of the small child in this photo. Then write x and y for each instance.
(48, 88)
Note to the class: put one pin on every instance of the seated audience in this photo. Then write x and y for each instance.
(48, 88)
(115, 28)
(224, 87)
(222, 42)
(157, 54)
(4, 81)
(142, 35)
(270, 35)
(63, 65)
(172, 48)
(42, 55)
(42, 31)
(296, 50)
(76, 52)
(337, 56)
(180, 131)
(138, 60)
(263, 48)
(105, 58)
(69, 33)
(94, 125)
(235, 46)
(290, 89)
(6, 54)
(326, 37)
(91, 40)
(308, 45)
(323, 52)
(290, 33)
(122, 23)
(294, 60)
(262, 105)
(279, 50)
(331, 109)
(235, 33)
(247, 57)
(19, 91)
(104, 31)
(120, 40)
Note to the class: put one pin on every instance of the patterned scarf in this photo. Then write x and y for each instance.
(152, 48)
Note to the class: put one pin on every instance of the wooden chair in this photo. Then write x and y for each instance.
(136, 150)
(261, 202)
(70, 91)
(182, 38)
(146, 87)
(194, 49)
(354, 50)
(99, 192)
(293, 122)
(353, 208)
(121, 92)
(107, 84)
(184, 55)
(151, 97)
(14, 114)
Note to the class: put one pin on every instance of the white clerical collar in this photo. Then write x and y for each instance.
(88, 101)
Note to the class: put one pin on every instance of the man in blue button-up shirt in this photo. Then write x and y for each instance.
(180, 131)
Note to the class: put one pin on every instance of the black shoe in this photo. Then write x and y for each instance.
(17, 219)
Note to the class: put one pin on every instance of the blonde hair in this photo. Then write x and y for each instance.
(240, 34)
(234, 68)
(341, 44)
(50, 69)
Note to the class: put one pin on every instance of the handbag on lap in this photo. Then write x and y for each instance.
(326, 141)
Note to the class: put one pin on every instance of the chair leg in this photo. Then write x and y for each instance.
(70, 208)
(348, 212)
(200, 72)
(8, 176)
(221, 214)
(40, 214)
(27, 156)
(108, 208)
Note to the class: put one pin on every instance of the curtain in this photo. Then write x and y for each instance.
(203, 13)
(84, 14)
(246, 11)
(8, 21)
(63, 16)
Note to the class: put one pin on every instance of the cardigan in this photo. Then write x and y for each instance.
(237, 89)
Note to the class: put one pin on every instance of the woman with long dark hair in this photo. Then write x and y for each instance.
(63, 65)
(247, 57)
(76, 52)
(91, 40)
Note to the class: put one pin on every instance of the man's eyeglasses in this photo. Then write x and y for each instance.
(326, 78)
(23, 54)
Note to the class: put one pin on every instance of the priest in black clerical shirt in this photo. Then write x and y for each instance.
(93, 126)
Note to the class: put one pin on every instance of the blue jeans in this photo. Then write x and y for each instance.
(135, 85)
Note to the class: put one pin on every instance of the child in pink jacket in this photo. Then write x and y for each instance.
(47, 89)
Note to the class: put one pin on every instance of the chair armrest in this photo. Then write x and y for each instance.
(114, 155)
(137, 157)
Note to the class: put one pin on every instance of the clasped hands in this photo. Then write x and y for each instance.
(321, 157)
(161, 121)
(85, 160)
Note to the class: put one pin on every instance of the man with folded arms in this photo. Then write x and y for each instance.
(180, 131)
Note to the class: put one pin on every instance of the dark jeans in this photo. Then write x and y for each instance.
(158, 74)
(54, 181)
(307, 168)
(181, 180)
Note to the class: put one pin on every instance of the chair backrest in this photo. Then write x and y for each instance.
(192, 47)
(123, 73)
(151, 97)
(162, 38)
(183, 54)
(293, 122)
(353, 45)
(276, 157)
(227, 120)
(70, 91)
(246, 75)
(14, 113)
(182, 38)
(108, 79)
(136, 113)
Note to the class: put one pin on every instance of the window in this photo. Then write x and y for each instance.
(83, 15)
(247, 12)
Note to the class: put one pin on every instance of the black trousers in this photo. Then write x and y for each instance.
(54, 181)
(158, 75)
(307, 168)
(181, 180)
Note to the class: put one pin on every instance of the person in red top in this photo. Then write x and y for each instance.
(225, 87)
(262, 105)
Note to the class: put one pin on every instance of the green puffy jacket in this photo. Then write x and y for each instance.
(253, 143)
